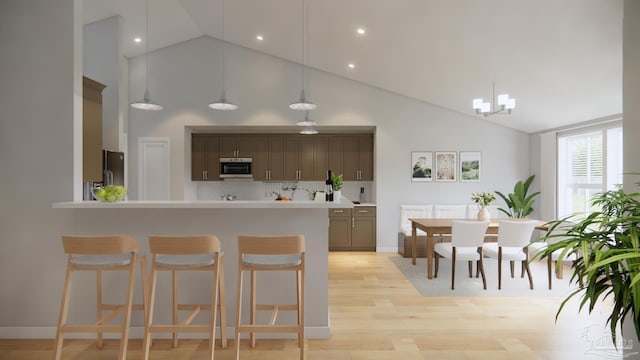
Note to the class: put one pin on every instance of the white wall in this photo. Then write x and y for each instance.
(37, 95)
(184, 78)
(103, 62)
(631, 93)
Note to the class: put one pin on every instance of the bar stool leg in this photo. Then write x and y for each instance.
(151, 302)
(127, 315)
(300, 275)
(64, 310)
(252, 335)
(100, 343)
(174, 297)
(223, 307)
(238, 313)
(214, 311)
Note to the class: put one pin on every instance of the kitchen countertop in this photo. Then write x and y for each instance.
(204, 204)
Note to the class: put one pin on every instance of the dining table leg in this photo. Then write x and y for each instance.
(414, 239)
(430, 254)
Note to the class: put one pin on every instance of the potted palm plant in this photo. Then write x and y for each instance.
(607, 245)
(519, 203)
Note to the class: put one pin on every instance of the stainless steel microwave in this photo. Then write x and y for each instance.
(236, 167)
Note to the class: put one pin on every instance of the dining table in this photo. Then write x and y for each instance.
(442, 226)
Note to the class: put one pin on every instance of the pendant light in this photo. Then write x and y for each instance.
(308, 125)
(223, 104)
(303, 103)
(146, 103)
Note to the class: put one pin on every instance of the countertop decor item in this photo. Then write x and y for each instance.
(336, 179)
(110, 193)
(483, 199)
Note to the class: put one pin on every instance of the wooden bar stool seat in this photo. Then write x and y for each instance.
(270, 253)
(187, 253)
(101, 253)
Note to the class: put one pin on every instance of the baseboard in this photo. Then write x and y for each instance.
(387, 249)
(137, 332)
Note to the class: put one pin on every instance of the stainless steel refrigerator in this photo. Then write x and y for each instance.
(112, 168)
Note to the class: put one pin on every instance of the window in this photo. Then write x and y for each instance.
(589, 162)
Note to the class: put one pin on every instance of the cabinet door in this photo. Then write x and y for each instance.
(91, 130)
(334, 154)
(363, 233)
(261, 158)
(205, 165)
(245, 146)
(290, 157)
(305, 158)
(366, 158)
(228, 146)
(320, 157)
(339, 229)
(276, 158)
(351, 157)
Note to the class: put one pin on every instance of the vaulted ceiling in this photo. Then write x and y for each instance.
(560, 60)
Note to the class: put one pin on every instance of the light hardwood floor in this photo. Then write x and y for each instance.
(377, 314)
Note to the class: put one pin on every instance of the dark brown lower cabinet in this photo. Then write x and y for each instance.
(352, 229)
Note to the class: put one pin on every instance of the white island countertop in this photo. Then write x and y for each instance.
(205, 204)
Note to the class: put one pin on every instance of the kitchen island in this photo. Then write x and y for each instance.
(226, 220)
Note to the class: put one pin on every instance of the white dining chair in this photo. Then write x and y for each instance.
(513, 238)
(467, 238)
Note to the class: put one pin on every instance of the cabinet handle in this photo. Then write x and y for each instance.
(338, 211)
(363, 211)
(353, 222)
(203, 175)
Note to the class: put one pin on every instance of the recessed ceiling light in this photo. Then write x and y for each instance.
(361, 31)
(137, 40)
(351, 65)
(259, 37)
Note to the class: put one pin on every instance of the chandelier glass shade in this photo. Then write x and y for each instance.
(505, 104)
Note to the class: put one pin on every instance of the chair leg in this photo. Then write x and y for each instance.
(549, 270)
(481, 267)
(499, 267)
(174, 297)
(470, 269)
(151, 302)
(223, 307)
(453, 267)
(214, 311)
(127, 311)
(436, 265)
(238, 313)
(145, 288)
(100, 343)
(64, 310)
(525, 263)
(511, 264)
(252, 315)
(301, 311)
(522, 271)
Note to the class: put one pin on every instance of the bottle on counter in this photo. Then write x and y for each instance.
(363, 196)
(328, 187)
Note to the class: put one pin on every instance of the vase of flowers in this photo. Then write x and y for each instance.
(483, 199)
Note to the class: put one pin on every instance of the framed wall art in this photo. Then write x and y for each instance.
(421, 166)
(446, 166)
(470, 166)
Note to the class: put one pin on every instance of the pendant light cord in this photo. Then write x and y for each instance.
(223, 46)
(147, 49)
(304, 35)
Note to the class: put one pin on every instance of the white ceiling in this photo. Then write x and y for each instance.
(561, 60)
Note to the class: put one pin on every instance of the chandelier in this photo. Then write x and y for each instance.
(504, 102)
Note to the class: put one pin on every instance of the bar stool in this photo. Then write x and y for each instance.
(187, 253)
(101, 253)
(264, 253)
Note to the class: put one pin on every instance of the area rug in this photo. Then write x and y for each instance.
(465, 286)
